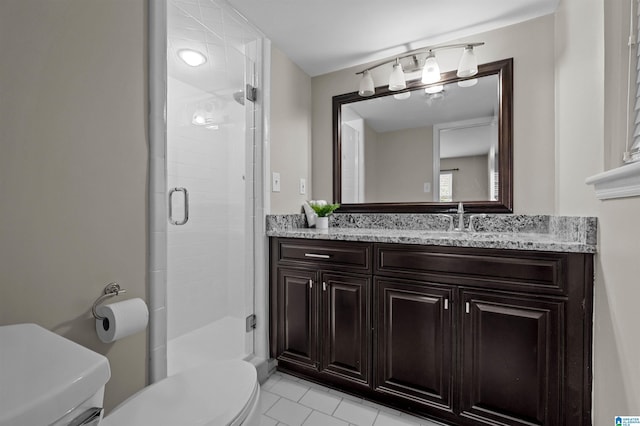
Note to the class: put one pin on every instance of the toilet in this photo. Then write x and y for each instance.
(54, 381)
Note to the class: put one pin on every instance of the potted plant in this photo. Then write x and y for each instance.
(323, 210)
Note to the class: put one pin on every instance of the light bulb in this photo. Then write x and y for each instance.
(396, 79)
(366, 85)
(431, 70)
(468, 65)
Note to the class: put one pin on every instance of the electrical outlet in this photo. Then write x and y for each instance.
(275, 182)
(303, 186)
(427, 187)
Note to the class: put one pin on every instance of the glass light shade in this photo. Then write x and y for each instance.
(434, 89)
(468, 65)
(192, 58)
(366, 85)
(431, 70)
(402, 96)
(396, 79)
(468, 83)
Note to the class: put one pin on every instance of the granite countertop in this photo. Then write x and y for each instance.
(515, 232)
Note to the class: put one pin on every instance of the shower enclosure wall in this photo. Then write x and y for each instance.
(206, 202)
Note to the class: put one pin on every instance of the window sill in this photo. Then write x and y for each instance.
(620, 182)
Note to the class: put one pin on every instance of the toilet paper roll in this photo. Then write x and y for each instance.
(121, 319)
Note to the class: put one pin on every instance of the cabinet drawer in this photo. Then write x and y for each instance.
(335, 254)
(523, 271)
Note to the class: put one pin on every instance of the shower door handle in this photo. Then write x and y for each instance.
(186, 206)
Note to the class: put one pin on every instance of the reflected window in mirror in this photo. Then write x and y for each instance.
(391, 149)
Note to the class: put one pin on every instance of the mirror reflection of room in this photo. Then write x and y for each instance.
(439, 144)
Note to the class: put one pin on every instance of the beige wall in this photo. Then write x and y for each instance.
(471, 180)
(402, 163)
(590, 138)
(531, 44)
(290, 132)
(73, 169)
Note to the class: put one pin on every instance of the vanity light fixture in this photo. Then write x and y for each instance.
(396, 79)
(431, 70)
(402, 96)
(434, 89)
(366, 84)
(467, 67)
(191, 57)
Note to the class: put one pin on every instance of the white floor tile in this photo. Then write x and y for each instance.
(289, 389)
(288, 412)
(313, 385)
(356, 413)
(267, 399)
(385, 419)
(267, 421)
(424, 422)
(345, 395)
(271, 381)
(381, 407)
(321, 401)
(320, 419)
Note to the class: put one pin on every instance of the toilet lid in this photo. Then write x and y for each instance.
(214, 394)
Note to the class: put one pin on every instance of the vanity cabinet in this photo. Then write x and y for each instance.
(322, 319)
(414, 342)
(469, 336)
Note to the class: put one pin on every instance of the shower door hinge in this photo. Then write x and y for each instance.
(251, 322)
(251, 93)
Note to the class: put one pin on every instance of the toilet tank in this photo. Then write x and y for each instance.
(46, 379)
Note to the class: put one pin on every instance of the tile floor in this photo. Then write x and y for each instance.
(289, 401)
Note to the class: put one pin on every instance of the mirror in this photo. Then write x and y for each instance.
(426, 148)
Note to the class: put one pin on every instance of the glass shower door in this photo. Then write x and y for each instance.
(210, 179)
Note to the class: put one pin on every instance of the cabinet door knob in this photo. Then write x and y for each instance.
(446, 303)
(324, 286)
(310, 283)
(466, 307)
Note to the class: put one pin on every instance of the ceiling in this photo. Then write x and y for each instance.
(322, 36)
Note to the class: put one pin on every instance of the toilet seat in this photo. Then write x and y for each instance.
(219, 393)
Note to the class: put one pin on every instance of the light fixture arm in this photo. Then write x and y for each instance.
(413, 53)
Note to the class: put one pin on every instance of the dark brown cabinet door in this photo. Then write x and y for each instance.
(511, 360)
(297, 317)
(414, 349)
(346, 326)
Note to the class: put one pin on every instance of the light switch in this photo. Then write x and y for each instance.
(275, 182)
(303, 186)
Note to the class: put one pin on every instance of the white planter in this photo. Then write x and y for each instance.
(322, 223)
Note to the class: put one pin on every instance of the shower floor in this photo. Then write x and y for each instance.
(219, 340)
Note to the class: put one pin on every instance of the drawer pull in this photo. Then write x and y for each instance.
(318, 256)
(324, 286)
(310, 283)
(466, 307)
(446, 304)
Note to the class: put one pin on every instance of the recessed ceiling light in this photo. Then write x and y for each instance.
(192, 57)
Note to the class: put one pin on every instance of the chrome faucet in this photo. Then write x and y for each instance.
(460, 217)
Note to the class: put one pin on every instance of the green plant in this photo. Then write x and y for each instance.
(323, 210)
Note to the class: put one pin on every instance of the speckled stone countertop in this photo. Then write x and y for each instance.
(515, 232)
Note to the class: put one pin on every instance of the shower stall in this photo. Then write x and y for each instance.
(206, 201)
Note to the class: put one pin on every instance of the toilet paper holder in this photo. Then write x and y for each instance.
(110, 290)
